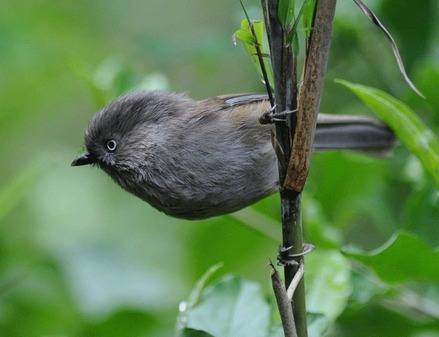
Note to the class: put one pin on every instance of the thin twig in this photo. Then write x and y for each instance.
(283, 304)
(260, 56)
(375, 20)
(295, 281)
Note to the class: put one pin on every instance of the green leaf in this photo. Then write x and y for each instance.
(308, 15)
(245, 35)
(194, 297)
(328, 283)
(292, 36)
(409, 128)
(328, 286)
(231, 308)
(236, 308)
(286, 12)
(194, 333)
(403, 258)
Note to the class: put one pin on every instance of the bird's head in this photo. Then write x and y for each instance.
(123, 136)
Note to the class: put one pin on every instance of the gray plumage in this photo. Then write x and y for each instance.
(197, 159)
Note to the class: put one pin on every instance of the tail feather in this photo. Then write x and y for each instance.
(359, 133)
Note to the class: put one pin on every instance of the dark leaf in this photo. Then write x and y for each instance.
(286, 12)
(372, 17)
(293, 31)
(413, 24)
(403, 258)
(372, 320)
(308, 15)
(194, 333)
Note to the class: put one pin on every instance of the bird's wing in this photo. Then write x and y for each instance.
(240, 99)
(245, 108)
(333, 132)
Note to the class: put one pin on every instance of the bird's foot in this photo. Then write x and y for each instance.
(270, 116)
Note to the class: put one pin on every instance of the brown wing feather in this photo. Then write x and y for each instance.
(241, 99)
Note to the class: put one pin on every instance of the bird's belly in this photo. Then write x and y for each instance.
(204, 198)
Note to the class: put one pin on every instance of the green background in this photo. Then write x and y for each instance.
(80, 257)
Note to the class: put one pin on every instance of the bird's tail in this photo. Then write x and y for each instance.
(359, 133)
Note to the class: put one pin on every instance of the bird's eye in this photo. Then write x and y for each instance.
(111, 145)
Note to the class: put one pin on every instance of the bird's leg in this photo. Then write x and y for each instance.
(267, 115)
(271, 116)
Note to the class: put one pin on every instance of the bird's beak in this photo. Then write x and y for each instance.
(84, 159)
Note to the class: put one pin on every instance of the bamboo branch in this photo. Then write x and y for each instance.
(285, 82)
(284, 66)
(310, 95)
(283, 304)
(293, 139)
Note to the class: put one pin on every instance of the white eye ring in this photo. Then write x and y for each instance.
(111, 145)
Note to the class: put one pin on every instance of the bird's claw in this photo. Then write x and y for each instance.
(270, 116)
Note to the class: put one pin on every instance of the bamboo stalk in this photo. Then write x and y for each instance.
(293, 139)
(284, 66)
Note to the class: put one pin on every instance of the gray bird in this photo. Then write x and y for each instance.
(196, 159)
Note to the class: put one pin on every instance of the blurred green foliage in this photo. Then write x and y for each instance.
(80, 257)
(409, 128)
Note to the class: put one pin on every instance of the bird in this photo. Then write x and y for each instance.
(196, 159)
